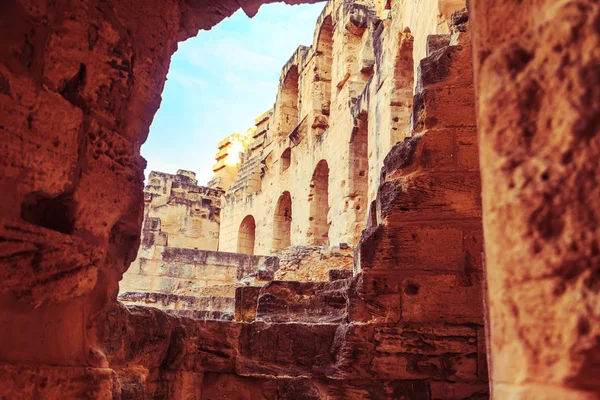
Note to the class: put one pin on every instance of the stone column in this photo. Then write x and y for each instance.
(537, 74)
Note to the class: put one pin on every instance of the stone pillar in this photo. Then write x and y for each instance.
(537, 74)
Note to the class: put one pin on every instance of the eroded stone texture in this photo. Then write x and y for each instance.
(79, 85)
(412, 325)
(285, 301)
(539, 113)
(313, 263)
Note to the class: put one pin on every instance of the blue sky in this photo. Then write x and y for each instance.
(220, 81)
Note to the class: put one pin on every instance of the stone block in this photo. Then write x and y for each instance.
(300, 350)
(420, 247)
(436, 42)
(451, 298)
(203, 346)
(384, 351)
(246, 300)
(441, 390)
(424, 196)
(340, 274)
(374, 298)
(412, 389)
(54, 382)
(315, 302)
(467, 154)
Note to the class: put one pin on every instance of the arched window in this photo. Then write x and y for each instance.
(318, 226)
(246, 235)
(286, 159)
(282, 222)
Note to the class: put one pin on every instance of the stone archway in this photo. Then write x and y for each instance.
(282, 222)
(287, 106)
(318, 225)
(247, 235)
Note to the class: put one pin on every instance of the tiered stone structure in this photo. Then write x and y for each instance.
(179, 213)
(418, 268)
(79, 84)
(228, 159)
(178, 266)
(305, 182)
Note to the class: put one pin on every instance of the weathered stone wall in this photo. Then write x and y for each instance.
(408, 325)
(353, 102)
(174, 261)
(179, 213)
(313, 263)
(190, 273)
(79, 84)
(310, 158)
(538, 81)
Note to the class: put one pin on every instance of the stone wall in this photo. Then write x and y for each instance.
(314, 263)
(179, 213)
(352, 101)
(79, 84)
(409, 324)
(305, 155)
(190, 273)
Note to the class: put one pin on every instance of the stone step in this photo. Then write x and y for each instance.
(306, 302)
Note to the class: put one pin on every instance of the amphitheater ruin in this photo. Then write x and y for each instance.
(415, 218)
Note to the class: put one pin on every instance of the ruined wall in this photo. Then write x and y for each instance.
(310, 158)
(228, 159)
(79, 84)
(314, 263)
(409, 324)
(353, 100)
(188, 272)
(200, 282)
(179, 213)
(177, 265)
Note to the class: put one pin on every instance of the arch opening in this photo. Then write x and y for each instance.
(324, 64)
(282, 222)
(288, 106)
(286, 159)
(318, 225)
(247, 235)
(359, 176)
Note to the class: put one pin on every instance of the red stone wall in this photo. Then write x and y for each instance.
(537, 69)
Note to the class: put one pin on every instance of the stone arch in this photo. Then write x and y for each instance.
(282, 222)
(286, 159)
(247, 235)
(324, 59)
(359, 178)
(288, 102)
(318, 226)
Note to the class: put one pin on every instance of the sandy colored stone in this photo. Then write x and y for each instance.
(79, 85)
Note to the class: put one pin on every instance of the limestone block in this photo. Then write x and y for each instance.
(54, 382)
(317, 302)
(302, 349)
(448, 297)
(404, 352)
(246, 300)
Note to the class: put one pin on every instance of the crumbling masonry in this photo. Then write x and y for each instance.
(79, 84)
